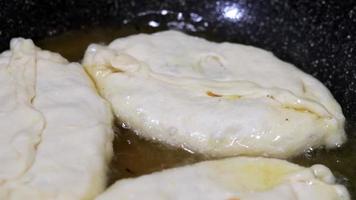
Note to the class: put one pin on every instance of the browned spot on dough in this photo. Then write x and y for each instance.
(232, 97)
(299, 109)
(270, 96)
(114, 69)
(306, 110)
(209, 93)
(233, 198)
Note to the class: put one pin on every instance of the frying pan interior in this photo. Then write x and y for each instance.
(317, 36)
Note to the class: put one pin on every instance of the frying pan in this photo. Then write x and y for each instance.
(317, 36)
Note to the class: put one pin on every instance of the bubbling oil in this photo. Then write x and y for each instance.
(135, 156)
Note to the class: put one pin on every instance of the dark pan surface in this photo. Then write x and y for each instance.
(317, 36)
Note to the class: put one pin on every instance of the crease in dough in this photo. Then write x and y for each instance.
(76, 143)
(21, 124)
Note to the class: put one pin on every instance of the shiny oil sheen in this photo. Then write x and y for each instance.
(134, 156)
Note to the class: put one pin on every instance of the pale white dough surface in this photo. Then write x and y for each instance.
(219, 99)
(21, 124)
(239, 178)
(74, 145)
